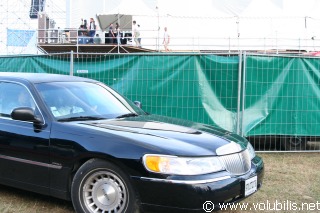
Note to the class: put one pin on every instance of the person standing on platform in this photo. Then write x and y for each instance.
(166, 39)
(139, 37)
(85, 25)
(118, 34)
(92, 29)
(110, 34)
(136, 33)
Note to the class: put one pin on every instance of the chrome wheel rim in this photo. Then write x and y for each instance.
(104, 191)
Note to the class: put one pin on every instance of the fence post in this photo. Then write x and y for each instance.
(243, 89)
(239, 92)
(71, 63)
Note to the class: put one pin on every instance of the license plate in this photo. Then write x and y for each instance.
(250, 186)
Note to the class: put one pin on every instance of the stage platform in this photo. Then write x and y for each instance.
(90, 48)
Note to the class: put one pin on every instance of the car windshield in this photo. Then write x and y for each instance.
(69, 101)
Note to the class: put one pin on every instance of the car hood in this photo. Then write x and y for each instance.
(171, 134)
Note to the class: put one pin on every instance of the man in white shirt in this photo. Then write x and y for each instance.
(136, 33)
(166, 39)
(92, 29)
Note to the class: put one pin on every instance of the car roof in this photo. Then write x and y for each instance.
(42, 77)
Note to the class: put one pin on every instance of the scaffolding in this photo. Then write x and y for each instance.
(19, 23)
(23, 33)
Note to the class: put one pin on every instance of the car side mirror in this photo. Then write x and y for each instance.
(138, 104)
(25, 114)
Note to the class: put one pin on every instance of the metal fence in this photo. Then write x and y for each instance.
(152, 42)
(273, 100)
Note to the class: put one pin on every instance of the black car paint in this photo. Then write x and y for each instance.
(71, 142)
(45, 160)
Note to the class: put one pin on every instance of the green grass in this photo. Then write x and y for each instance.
(14, 200)
(289, 177)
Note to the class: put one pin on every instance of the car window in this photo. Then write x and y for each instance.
(71, 99)
(14, 95)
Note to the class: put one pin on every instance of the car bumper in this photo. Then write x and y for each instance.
(189, 195)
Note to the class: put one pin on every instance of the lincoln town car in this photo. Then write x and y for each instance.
(77, 139)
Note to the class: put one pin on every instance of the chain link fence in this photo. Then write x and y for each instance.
(273, 100)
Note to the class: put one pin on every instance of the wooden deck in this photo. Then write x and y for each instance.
(90, 48)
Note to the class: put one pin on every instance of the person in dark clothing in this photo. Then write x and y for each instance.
(118, 34)
(111, 35)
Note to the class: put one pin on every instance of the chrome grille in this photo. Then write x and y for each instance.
(238, 163)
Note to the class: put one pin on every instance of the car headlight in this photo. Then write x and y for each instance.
(167, 164)
(251, 150)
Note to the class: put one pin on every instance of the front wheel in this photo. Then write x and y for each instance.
(100, 186)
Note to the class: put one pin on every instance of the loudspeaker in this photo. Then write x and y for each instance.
(36, 7)
(43, 26)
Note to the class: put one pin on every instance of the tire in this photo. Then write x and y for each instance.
(294, 143)
(100, 186)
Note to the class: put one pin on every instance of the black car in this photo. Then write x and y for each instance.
(77, 139)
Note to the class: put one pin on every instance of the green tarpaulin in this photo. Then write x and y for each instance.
(280, 94)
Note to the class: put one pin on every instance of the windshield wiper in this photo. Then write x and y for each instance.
(127, 115)
(81, 118)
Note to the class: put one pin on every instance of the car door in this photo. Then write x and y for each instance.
(24, 151)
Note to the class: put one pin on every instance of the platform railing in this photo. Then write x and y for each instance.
(152, 41)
